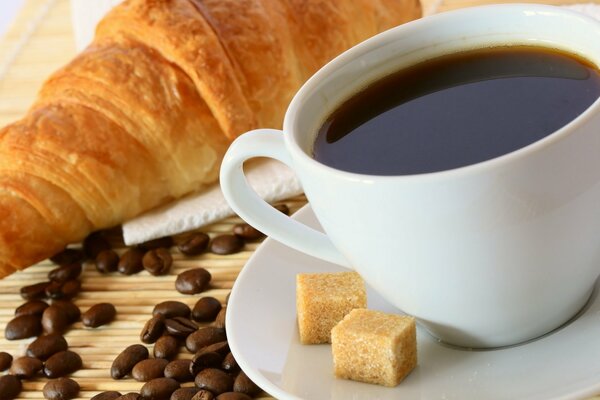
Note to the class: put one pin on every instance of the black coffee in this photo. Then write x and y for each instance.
(457, 110)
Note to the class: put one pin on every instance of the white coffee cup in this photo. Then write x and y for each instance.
(486, 255)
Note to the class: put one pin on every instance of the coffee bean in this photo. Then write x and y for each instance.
(45, 346)
(226, 244)
(114, 236)
(62, 363)
(164, 242)
(5, 361)
(61, 389)
(98, 315)
(23, 326)
(203, 395)
(221, 347)
(180, 327)
(110, 395)
(35, 291)
(149, 369)
(206, 309)
(157, 261)
(243, 384)
(185, 393)
(107, 261)
(203, 360)
(131, 262)
(172, 309)
(10, 387)
(159, 389)
(192, 281)
(179, 370)
(153, 329)
(204, 337)
(25, 367)
(282, 208)
(63, 290)
(220, 319)
(32, 307)
(65, 272)
(94, 243)
(55, 320)
(195, 244)
(71, 288)
(54, 290)
(69, 308)
(124, 363)
(68, 256)
(130, 396)
(247, 232)
(230, 364)
(166, 347)
(214, 380)
(233, 396)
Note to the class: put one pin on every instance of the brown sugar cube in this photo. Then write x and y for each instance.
(374, 347)
(322, 300)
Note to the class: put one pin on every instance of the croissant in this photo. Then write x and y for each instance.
(146, 112)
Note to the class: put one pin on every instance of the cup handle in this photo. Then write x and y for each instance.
(257, 212)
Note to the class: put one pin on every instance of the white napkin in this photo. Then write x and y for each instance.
(85, 15)
(272, 180)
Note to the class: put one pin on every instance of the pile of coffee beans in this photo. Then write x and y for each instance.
(212, 368)
(49, 312)
(48, 355)
(174, 324)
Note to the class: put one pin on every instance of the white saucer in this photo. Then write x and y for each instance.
(262, 333)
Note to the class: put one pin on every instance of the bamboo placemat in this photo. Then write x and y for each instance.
(39, 41)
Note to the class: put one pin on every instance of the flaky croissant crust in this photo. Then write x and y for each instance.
(146, 112)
